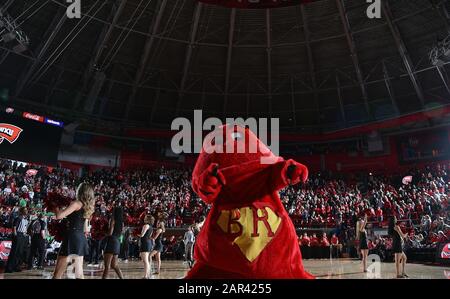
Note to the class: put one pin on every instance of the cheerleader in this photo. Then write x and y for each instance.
(157, 239)
(397, 246)
(363, 246)
(74, 241)
(147, 244)
(112, 248)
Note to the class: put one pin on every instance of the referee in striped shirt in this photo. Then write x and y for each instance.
(19, 242)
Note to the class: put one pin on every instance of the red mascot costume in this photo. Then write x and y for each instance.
(248, 233)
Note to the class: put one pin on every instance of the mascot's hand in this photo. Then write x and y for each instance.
(296, 172)
(210, 183)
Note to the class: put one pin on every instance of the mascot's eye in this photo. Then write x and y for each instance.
(236, 136)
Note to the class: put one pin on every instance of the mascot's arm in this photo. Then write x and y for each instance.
(288, 172)
(209, 184)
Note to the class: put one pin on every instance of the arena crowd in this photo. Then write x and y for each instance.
(325, 209)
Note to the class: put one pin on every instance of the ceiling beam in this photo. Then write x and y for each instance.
(387, 82)
(212, 93)
(443, 76)
(104, 37)
(229, 57)
(116, 12)
(155, 103)
(4, 56)
(340, 99)
(105, 99)
(52, 31)
(403, 51)
(224, 45)
(446, 14)
(7, 5)
(189, 50)
(53, 85)
(294, 108)
(269, 58)
(145, 57)
(311, 65)
(354, 56)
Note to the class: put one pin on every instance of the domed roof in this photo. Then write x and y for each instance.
(318, 67)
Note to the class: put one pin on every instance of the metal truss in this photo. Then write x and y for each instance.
(178, 81)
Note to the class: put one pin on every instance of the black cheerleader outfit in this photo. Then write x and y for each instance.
(146, 241)
(158, 243)
(397, 243)
(74, 240)
(112, 242)
(363, 240)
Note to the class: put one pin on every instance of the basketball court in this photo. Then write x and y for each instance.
(322, 269)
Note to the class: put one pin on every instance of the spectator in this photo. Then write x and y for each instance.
(189, 240)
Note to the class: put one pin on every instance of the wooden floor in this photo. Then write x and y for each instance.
(322, 269)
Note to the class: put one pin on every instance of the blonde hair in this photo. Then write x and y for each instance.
(162, 226)
(358, 229)
(85, 194)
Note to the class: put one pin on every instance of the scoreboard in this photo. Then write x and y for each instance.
(29, 138)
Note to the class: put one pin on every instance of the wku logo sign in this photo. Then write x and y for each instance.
(254, 228)
(445, 254)
(9, 132)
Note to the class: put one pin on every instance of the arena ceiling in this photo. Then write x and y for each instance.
(141, 63)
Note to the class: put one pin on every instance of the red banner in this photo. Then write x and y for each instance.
(256, 3)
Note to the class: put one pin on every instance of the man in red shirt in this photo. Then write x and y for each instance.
(434, 238)
(336, 247)
(315, 252)
(314, 241)
(306, 241)
(379, 214)
(441, 237)
(334, 240)
(305, 246)
(324, 241)
(324, 244)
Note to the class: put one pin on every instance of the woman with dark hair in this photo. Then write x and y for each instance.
(397, 246)
(363, 244)
(147, 244)
(74, 241)
(112, 248)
